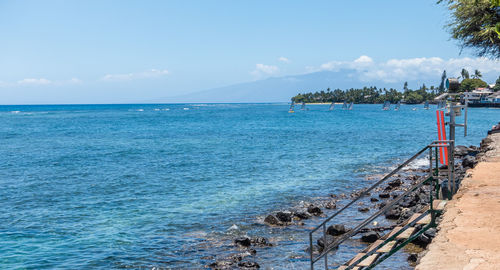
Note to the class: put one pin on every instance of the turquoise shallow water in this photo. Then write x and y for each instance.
(141, 186)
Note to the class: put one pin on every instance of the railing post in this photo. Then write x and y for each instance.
(325, 244)
(452, 163)
(311, 250)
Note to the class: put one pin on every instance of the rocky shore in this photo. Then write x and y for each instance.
(246, 247)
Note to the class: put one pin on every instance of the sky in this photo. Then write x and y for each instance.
(131, 51)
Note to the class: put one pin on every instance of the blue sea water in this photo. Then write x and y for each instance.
(143, 186)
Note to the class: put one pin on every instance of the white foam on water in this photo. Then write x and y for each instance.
(140, 110)
(156, 109)
(418, 163)
(15, 111)
(234, 227)
(186, 109)
(166, 109)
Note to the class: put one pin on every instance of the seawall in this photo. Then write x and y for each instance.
(469, 234)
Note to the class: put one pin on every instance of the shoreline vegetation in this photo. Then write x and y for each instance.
(374, 95)
(369, 95)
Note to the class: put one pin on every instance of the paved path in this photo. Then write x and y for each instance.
(469, 235)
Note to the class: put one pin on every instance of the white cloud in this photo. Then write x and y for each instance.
(33, 81)
(284, 60)
(39, 82)
(396, 70)
(264, 70)
(152, 73)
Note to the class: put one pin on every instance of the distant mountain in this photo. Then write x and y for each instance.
(281, 89)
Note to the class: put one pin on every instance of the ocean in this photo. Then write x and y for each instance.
(170, 185)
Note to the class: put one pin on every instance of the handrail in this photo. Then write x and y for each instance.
(329, 247)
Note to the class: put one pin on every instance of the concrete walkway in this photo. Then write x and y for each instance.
(469, 235)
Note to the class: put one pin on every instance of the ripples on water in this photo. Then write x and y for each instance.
(133, 186)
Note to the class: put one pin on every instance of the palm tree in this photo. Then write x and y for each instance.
(477, 74)
(465, 74)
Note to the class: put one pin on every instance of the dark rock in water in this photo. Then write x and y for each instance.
(316, 249)
(337, 229)
(373, 199)
(329, 240)
(393, 214)
(431, 233)
(314, 210)
(363, 209)
(260, 241)
(412, 258)
(248, 265)
(272, 220)
(384, 195)
(284, 216)
(422, 241)
(370, 237)
(395, 183)
(330, 205)
(469, 162)
(381, 205)
(243, 241)
(461, 150)
(302, 215)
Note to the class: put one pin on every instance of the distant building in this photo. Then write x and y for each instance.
(482, 97)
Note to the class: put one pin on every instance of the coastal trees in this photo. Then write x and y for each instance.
(477, 74)
(474, 24)
(366, 95)
(471, 84)
(497, 85)
(465, 74)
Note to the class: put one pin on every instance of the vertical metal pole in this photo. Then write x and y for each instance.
(452, 163)
(311, 250)
(325, 243)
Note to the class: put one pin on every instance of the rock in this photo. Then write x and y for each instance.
(260, 241)
(431, 233)
(302, 215)
(284, 216)
(248, 265)
(243, 241)
(381, 205)
(461, 150)
(394, 213)
(373, 199)
(272, 220)
(422, 241)
(395, 183)
(363, 209)
(316, 249)
(384, 195)
(406, 213)
(336, 230)
(412, 258)
(469, 162)
(330, 205)
(370, 237)
(314, 210)
(329, 240)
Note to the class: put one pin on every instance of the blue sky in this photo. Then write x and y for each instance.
(129, 51)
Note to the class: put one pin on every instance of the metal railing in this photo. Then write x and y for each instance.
(328, 247)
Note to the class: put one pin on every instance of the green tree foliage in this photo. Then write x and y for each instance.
(471, 84)
(477, 74)
(465, 74)
(497, 85)
(474, 24)
(369, 95)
